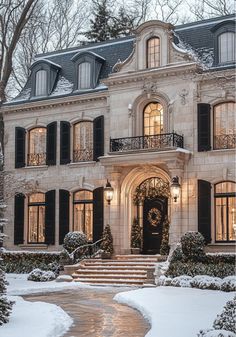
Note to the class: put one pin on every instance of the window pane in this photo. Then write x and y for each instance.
(153, 52)
(153, 119)
(227, 47)
(232, 217)
(83, 142)
(37, 146)
(83, 195)
(221, 219)
(225, 187)
(37, 197)
(36, 216)
(84, 75)
(83, 219)
(33, 217)
(41, 83)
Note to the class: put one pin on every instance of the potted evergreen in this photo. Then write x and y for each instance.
(165, 247)
(107, 243)
(135, 237)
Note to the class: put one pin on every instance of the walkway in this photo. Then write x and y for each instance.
(95, 314)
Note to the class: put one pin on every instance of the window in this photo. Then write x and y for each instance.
(37, 147)
(226, 47)
(153, 52)
(153, 119)
(41, 83)
(83, 213)
(36, 216)
(84, 75)
(83, 142)
(225, 211)
(225, 126)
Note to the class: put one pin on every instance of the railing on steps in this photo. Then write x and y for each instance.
(88, 251)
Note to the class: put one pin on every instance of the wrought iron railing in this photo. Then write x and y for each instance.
(88, 251)
(225, 142)
(37, 159)
(159, 142)
(83, 155)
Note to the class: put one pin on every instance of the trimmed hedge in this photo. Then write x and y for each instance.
(26, 261)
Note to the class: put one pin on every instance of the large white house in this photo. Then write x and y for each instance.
(154, 113)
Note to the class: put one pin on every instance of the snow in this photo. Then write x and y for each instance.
(189, 310)
(36, 319)
(63, 87)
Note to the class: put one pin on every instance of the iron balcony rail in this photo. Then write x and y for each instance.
(37, 159)
(82, 155)
(159, 142)
(225, 142)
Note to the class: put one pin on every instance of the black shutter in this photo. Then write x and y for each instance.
(51, 143)
(64, 143)
(204, 127)
(98, 137)
(50, 217)
(64, 211)
(97, 213)
(19, 147)
(19, 215)
(204, 209)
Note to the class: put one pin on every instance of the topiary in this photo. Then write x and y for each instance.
(107, 243)
(165, 248)
(73, 240)
(227, 319)
(135, 234)
(192, 244)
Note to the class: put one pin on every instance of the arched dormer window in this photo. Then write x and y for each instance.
(153, 52)
(84, 75)
(41, 83)
(226, 47)
(153, 119)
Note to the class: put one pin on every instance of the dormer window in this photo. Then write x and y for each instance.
(226, 47)
(41, 83)
(84, 75)
(153, 52)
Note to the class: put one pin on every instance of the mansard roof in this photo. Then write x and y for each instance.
(198, 36)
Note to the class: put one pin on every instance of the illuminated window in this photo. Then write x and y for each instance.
(83, 142)
(36, 216)
(225, 211)
(224, 126)
(153, 119)
(226, 46)
(41, 83)
(37, 147)
(153, 52)
(83, 213)
(84, 75)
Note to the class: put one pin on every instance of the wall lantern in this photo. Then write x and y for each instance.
(109, 192)
(175, 188)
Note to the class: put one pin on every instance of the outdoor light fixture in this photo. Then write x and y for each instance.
(109, 192)
(175, 188)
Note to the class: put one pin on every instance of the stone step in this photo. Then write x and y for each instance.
(111, 276)
(105, 281)
(117, 263)
(124, 268)
(109, 271)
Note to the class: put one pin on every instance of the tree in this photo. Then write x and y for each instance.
(135, 234)
(207, 8)
(107, 243)
(165, 247)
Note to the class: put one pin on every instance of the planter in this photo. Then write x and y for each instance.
(135, 251)
(105, 255)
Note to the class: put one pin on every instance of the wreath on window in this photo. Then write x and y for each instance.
(154, 217)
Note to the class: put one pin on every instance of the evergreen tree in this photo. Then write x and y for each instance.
(122, 24)
(135, 234)
(227, 319)
(107, 243)
(165, 248)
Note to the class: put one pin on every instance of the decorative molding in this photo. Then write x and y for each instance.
(183, 94)
(119, 64)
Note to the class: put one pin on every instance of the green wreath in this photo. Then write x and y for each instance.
(154, 217)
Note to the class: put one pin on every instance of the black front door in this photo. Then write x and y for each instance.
(154, 212)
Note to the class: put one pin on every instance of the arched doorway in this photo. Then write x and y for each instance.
(151, 200)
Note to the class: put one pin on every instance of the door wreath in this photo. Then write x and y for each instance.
(154, 216)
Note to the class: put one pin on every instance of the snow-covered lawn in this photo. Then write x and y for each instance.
(176, 312)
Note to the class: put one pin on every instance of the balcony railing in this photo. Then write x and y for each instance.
(225, 142)
(159, 142)
(82, 155)
(36, 159)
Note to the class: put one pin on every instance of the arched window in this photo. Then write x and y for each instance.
(41, 83)
(153, 119)
(83, 142)
(226, 47)
(83, 213)
(225, 211)
(153, 52)
(36, 216)
(84, 75)
(224, 126)
(37, 147)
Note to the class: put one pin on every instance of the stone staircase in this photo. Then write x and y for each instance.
(123, 270)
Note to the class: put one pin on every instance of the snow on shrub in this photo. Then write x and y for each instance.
(177, 254)
(73, 240)
(215, 333)
(206, 282)
(5, 304)
(228, 283)
(39, 275)
(181, 281)
(164, 281)
(227, 319)
(192, 244)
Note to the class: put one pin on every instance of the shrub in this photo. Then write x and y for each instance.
(73, 240)
(5, 304)
(227, 319)
(65, 258)
(107, 243)
(165, 248)
(192, 244)
(215, 333)
(164, 281)
(206, 282)
(135, 234)
(39, 275)
(229, 284)
(177, 254)
(181, 281)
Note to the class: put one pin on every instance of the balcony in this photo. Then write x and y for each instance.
(165, 141)
(81, 155)
(36, 159)
(225, 142)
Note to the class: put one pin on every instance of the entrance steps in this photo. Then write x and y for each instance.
(123, 270)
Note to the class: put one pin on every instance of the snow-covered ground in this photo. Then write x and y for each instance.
(176, 312)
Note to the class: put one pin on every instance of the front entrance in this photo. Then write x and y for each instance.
(154, 213)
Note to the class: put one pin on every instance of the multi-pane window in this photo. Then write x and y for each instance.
(84, 75)
(83, 213)
(153, 119)
(83, 142)
(36, 218)
(41, 83)
(225, 126)
(153, 52)
(225, 211)
(37, 147)
(226, 47)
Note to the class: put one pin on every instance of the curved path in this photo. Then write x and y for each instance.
(95, 313)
